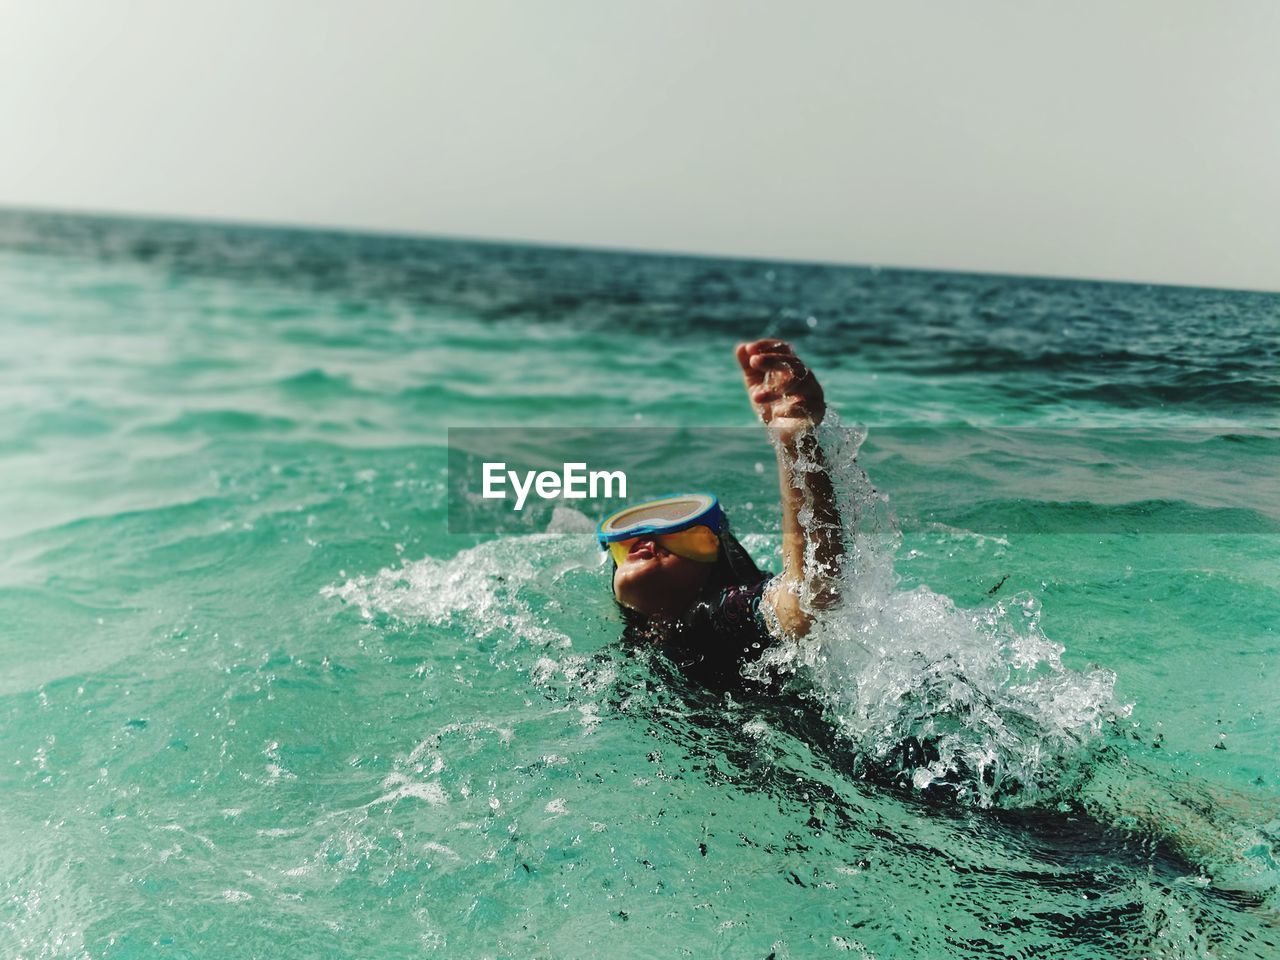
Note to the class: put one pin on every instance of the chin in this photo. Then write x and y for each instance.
(655, 589)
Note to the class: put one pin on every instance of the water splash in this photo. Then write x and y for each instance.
(480, 586)
(518, 593)
(976, 704)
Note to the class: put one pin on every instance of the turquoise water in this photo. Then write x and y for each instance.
(257, 701)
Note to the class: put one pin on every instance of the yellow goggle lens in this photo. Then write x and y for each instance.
(696, 543)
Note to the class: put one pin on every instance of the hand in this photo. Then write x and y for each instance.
(784, 392)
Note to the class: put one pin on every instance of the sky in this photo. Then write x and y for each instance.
(1131, 141)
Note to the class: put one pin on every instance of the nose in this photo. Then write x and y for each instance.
(648, 545)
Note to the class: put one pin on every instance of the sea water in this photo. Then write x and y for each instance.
(257, 700)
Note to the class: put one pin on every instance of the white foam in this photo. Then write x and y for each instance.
(985, 688)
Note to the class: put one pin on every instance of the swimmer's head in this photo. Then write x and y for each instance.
(667, 554)
(653, 581)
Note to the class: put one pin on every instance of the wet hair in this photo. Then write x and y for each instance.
(733, 567)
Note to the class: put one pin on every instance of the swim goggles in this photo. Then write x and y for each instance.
(687, 524)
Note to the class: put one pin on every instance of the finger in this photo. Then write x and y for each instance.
(778, 362)
(766, 359)
(762, 395)
(795, 408)
(786, 381)
(751, 376)
(769, 346)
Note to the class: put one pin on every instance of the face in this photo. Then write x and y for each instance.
(654, 581)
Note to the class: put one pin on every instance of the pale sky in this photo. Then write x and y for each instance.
(1135, 140)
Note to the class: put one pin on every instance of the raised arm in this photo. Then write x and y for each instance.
(787, 397)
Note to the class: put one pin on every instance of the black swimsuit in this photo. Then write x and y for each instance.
(722, 633)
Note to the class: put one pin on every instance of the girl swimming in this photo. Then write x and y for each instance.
(682, 578)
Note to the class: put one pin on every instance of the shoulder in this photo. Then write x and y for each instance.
(784, 600)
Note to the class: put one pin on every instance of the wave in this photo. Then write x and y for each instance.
(218, 424)
(1015, 515)
(316, 382)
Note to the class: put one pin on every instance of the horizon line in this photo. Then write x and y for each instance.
(409, 234)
